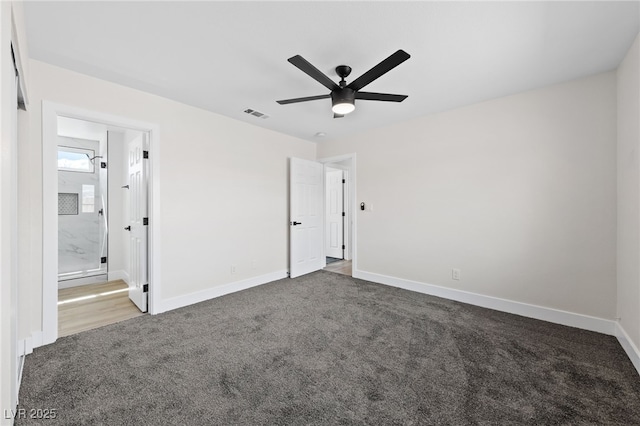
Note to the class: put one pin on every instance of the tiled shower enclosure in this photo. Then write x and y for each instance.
(82, 211)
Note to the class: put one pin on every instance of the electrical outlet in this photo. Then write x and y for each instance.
(253, 264)
(233, 269)
(455, 274)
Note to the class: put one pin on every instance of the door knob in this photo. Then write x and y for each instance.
(127, 228)
(294, 223)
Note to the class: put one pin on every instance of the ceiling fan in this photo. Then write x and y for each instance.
(343, 95)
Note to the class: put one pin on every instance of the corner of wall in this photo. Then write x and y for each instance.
(628, 201)
(629, 347)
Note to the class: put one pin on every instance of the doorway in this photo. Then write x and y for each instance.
(96, 264)
(307, 231)
(90, 162)
(339, 214)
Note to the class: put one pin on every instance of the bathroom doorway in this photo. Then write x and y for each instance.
(129, 151)
(96, 265)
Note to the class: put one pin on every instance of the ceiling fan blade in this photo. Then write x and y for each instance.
(313, 72)
(370, 96)
(308, 98)
(382, 68)
(337, 115)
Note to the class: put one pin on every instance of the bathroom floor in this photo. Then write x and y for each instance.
(91, 306)
(341, 267)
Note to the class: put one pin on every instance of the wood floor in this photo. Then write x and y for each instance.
(341, 267)
(92, 306)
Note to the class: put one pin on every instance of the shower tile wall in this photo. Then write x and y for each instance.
(80, 240)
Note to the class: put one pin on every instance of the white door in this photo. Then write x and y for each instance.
(334, 238)
(13, 238)
(305, 217)
(138, 222)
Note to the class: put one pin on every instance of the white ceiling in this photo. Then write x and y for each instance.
(228, 56)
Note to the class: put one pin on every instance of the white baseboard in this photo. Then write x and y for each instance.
(629, 347)
(28, 344)
(118, 275)
(76, 282)
(37, 339)
(211, 293)
(25, 347)
(570, 319)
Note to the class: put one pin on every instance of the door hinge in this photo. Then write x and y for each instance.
(103, 165)
(103, 260)
(343, 247)
(145, 154)
(145, 220)
(145, 288)
(343, 214)
(344, 181)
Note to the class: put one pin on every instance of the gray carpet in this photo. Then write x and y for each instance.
(329, 349)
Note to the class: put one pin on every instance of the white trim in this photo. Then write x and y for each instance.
(77, 282)
(346, 203)
(36, 340)
(25, 346)
(28, 344)
(629, 347)
(49, 225)
(556, 316)
(212, 293)
(50, 113)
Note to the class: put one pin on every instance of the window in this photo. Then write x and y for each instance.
(88, 198)
(75, 159)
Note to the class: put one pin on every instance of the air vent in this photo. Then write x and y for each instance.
(256, 113)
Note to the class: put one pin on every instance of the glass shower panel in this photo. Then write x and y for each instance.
(82, 226)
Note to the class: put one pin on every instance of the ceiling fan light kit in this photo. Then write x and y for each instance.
(343, 101)
(343, 96)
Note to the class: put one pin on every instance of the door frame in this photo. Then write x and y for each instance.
(50, 113)
(352, 197)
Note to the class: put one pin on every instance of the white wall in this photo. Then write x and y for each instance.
(517, 192)
(223, 183)
(629, 193)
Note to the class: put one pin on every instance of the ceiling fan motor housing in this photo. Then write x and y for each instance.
(344, 95)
